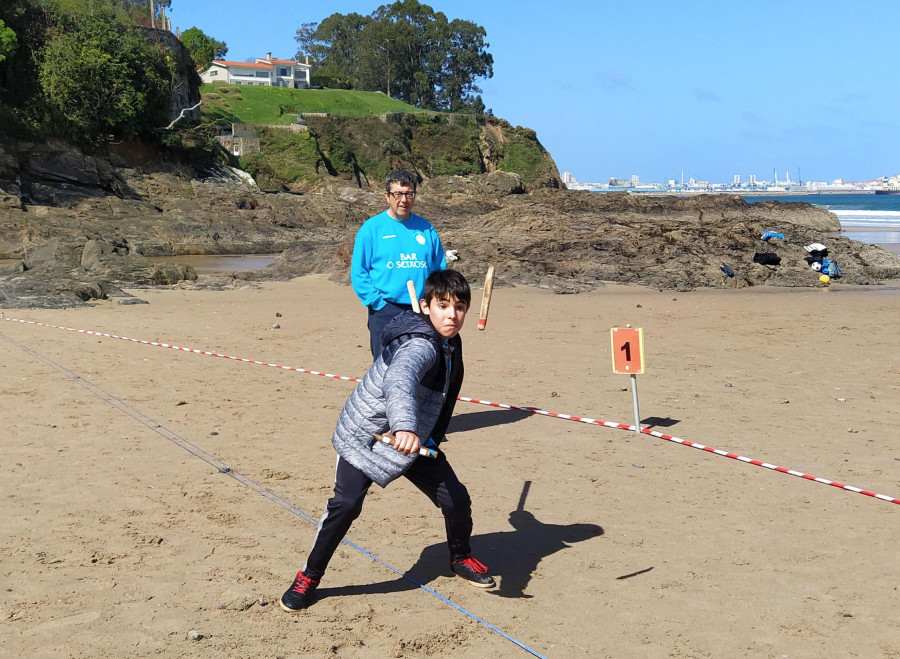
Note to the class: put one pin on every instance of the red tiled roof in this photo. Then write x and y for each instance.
(280, 61)
(256, 65)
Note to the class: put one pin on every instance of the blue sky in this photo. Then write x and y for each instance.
(709, 88)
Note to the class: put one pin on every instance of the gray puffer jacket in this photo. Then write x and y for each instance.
(412, 386)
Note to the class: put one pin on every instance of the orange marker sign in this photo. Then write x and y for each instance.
(627, 350)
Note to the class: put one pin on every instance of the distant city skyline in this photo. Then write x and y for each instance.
(658, 87)
(736, 180)
(887, 185)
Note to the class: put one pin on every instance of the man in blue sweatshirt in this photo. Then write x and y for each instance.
(392, 248)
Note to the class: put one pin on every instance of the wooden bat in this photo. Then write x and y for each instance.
(390, 439)
(486, 298)
(413, 298)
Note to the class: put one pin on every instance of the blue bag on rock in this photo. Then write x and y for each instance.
(831, 268)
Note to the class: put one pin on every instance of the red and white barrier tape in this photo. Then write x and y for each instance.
(532, 410)
(181, 348)
(684, 442)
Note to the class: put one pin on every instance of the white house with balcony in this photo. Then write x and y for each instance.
(263, 72)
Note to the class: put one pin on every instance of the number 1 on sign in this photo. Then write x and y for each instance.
(627, 350)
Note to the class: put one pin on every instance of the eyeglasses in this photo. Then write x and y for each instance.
(403, 195)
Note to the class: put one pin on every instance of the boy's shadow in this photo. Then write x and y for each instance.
(513, 556)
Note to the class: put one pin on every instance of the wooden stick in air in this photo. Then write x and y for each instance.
(413, 298)
(486, 298)
(390, 439)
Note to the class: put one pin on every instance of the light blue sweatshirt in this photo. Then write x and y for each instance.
(387, 253)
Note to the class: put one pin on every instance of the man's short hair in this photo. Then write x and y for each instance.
(401, 177)
(446, 284)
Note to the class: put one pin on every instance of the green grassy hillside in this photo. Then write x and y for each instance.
(280, 105)
(366, 135)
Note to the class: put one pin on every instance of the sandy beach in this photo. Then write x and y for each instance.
(879, 233)
(157, 502)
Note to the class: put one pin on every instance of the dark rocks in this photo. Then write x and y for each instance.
(165, 274)
(494, 185)
(10, 198)
(90, 231)
(56, 252)
(63, 272)
(57, 163)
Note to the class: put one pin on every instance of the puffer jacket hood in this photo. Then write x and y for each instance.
(408, 322)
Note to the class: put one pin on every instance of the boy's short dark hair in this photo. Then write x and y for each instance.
(401, 177)
(444, 284)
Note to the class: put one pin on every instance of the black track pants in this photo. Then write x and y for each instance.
(435, 477)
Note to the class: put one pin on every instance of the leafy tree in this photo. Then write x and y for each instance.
(338, 50)
(412, 33)
(310, 45)
(466, 60)
(101, 79)
(404, 49)
(203, 49)
(145, 13)
(119, 76)
(378, 70)
(21, 110)
(8, 41)
(336, 71)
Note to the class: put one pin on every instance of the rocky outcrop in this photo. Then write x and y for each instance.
(64, 272)
(364, 149)
(572, 241)
(81, 229)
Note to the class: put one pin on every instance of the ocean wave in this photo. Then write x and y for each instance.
(866, 223)
(866, 213)
(860, 218)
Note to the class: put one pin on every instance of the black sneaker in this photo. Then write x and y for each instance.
(300, 594)
(473, 571)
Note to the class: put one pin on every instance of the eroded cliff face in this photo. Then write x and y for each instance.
(362, 150)
(80, 227)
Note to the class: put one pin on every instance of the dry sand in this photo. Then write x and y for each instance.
(121, 535)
